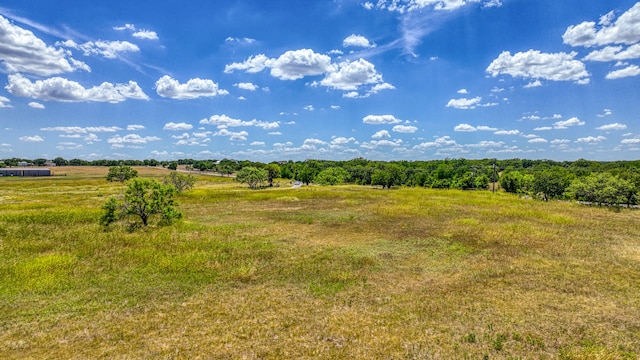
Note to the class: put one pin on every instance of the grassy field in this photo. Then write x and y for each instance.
(314, 273)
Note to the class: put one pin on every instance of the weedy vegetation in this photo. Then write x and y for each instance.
(318, 272)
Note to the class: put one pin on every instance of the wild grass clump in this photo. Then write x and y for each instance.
(316, 272)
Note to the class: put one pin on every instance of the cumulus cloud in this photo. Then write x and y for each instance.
(107, 49)
(464, 128)
(60, 89)
(82, 130)
(36, 138)
(246, 86)
(177, 126)
(614, 126)
(574, 121)
(145, 34)
(467, 104)
(632, 70)
(352, 74)
(33, 104)
(138, 34)
(357, 41)
(168, 87)
(118, 141)
(538, 140)
(615, 53)
(224, 121)
(381, 134)
(444, 141)
(21, 51)
(233, 136)
(624, 30)
(403, 6)
(340, 141)
(380, 119)
(507, 132)
(4, 102)
(591, 139)
(297, 64)
(537, 65)
(406, 129)
(134, 127)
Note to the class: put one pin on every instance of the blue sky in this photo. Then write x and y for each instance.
(323, 79)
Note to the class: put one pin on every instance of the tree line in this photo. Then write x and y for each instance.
(597, 182)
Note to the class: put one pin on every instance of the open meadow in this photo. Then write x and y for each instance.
(344, 272)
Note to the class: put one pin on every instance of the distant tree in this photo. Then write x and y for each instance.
(121, 173)
(551, 183)
(273, 171)
(173, 166)
(388, 177)
(306, 174)
(180, 181)
(39, 162)
(332, 176)
(143, 200)
(225, 169)
(60, 161)
(252, 176)
(78, 162)
(602, 189)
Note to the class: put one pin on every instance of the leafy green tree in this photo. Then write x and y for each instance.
(602, 189)
(332, 176)
(252, 176)
(60, 161)
(173, 166)
(551, 183)
(390, 176)
(121, 173)
(142, 200)
(307, 174)
(39, 162)
(180, 181)
(273, 171)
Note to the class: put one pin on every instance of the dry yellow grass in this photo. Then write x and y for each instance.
(319, 273)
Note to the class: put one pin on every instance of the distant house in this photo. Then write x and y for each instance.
(25, 172)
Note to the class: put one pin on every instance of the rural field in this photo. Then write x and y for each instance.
(343, 272)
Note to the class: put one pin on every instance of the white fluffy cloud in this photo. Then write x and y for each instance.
(357, 41)
(406, 129)
(168, 87)
(574, 121)
(614, 126)
(145, 34)
(296, 64)
(352, 74)
(591, 139)
(469, 128)
(107, 49)
(22, 51)
(624, 30)
(615, 53)
(35, 138)
(130, 139)
(4, 102)
(82, 130)
(537, 65)
(380, 119)
(246, 86)
(35, 105)
(403, 6)
(629, 71)
(466, 104)
(224, 121)
(60, 89)
(177, 126)
(381, 134)
(138, 34)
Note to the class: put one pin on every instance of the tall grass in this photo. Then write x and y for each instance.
(316, 272)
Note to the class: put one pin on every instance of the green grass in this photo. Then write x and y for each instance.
(316, 272)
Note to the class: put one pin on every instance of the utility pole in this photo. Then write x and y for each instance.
(494, 176)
